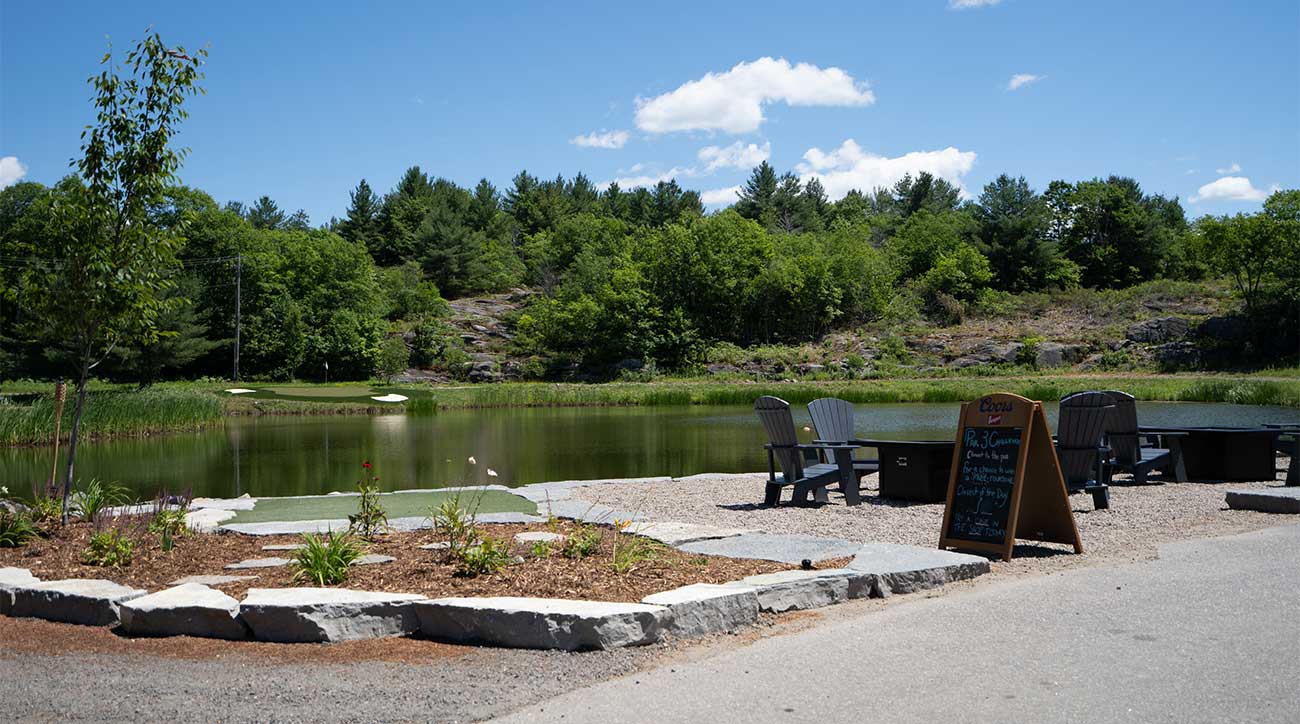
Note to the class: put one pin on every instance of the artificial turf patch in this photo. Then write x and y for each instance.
(397, 505)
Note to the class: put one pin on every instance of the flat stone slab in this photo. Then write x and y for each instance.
(326, 615)
(541, 623)
(243, 502)
(259, 563)
(704, 608)
(87, 601)
(905, 569)
(675, 534)
(190, 609)
(372, 559)
(1266, 500)
(774, 547)
(206, 520)
(11, 578)
(538, 536)
(586, 512)
(288, 527)
(439, 546)
(801, 590)
(210, 580)
(283, 547)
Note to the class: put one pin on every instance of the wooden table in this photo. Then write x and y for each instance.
(1226, 454)
(913, 469)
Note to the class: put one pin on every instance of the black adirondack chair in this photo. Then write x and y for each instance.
(1126, 440)
(833, 420)
(797, 469)
(1081, 444)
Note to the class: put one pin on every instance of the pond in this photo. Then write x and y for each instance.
(275, 455)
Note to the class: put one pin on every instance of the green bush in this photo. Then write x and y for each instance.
(15, 529)
(488, 555)
(583, 541)
(324, 560)
(109, 548)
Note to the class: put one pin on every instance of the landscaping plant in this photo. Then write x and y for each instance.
(371, 519)
(97, 497)
(324, 560)
(540, 549)
(630, 550)
(456, 524)
(583, 541)
(168, 521)
(15, 529)
(489, 555)
(110, 545)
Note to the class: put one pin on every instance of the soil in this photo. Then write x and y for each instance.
(426, 572)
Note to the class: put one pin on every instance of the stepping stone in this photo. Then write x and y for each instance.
(206, 520)
(905, 569)
(325, 615)
(91, 602)
(371, 559)
(542, 623)
(210, 580)
(791, 549)
(283, 547)
(801, 590)
(11, 578)
(538, 536)
(587, 512)
(441, 546)
(704, 608)
(190, 609)
(675, 534)
(1266, 500)
(259, 563)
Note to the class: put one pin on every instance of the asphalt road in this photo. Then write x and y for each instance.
(1210, 632)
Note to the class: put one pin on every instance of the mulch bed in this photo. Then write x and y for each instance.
(425, 572)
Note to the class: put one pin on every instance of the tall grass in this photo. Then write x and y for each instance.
(111, 414)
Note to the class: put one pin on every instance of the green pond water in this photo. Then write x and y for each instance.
(271, 456)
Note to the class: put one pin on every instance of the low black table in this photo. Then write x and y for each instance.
(1226, 454)
(913, 469)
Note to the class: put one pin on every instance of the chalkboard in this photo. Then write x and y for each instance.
(985, 479)
(1006, 481)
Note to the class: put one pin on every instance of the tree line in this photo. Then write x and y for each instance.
(641, 274)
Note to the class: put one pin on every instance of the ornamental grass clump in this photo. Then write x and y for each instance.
(371, 519)
(97, 497)
(324, 560)
(630, 550)
(15, 528)
(168, 521)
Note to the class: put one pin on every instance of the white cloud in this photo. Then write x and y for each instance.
(732, 101)
(650, 179)
(1234, 167)
(720, 197)
(1190, 172)
(1230, 188)
(968, 4)
(607, 139)
(737, 155)
(1020, 80)
(11, 171)
(849, 167)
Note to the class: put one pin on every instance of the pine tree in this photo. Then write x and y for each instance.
(758, 195)
(362, 224)
(265, 214)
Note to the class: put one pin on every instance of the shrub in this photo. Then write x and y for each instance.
(324, 560)
(15, 529)
(168, 519)
(46, 505)
(489, 555)
(371, 518)
(582, 542)
(110, 547)
(540, 549)
(97, 497)
(458, 526)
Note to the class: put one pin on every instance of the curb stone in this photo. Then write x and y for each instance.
(1267, 500)
(907, 569)
(327, 615)
(801, 590)
(11, 578)
(704, 608)
(190, 609)
(541, 623)
(86, 601)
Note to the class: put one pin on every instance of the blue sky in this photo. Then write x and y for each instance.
(1199, 100)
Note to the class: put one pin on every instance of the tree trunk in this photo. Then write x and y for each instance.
(72, 437)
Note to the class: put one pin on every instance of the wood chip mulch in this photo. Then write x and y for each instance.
(426, 572)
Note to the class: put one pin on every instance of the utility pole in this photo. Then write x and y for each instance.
(239, 276)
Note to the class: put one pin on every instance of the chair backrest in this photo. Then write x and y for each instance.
(1123, 428)
(778, 423)
(833, 419)
(1080, 430)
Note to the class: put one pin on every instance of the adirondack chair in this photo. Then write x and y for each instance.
(833, 420)
(1081, 445)
(1126, 443)
(803, 472)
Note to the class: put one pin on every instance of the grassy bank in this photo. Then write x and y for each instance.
(111, 413)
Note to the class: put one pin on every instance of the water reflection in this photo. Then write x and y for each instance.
(299, 456)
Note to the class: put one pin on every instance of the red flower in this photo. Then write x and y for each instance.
(366, 464)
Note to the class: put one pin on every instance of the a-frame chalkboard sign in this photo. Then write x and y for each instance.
(1006, 480)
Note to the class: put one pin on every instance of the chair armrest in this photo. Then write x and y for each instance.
(819, 445)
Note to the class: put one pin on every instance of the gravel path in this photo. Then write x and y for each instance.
(1140, 517)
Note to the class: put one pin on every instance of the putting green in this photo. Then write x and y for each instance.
(321, 391)
(397, 505)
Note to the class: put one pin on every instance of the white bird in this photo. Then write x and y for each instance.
(492, 473)
(472, 461)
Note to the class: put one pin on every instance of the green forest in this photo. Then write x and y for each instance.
(641, 274)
